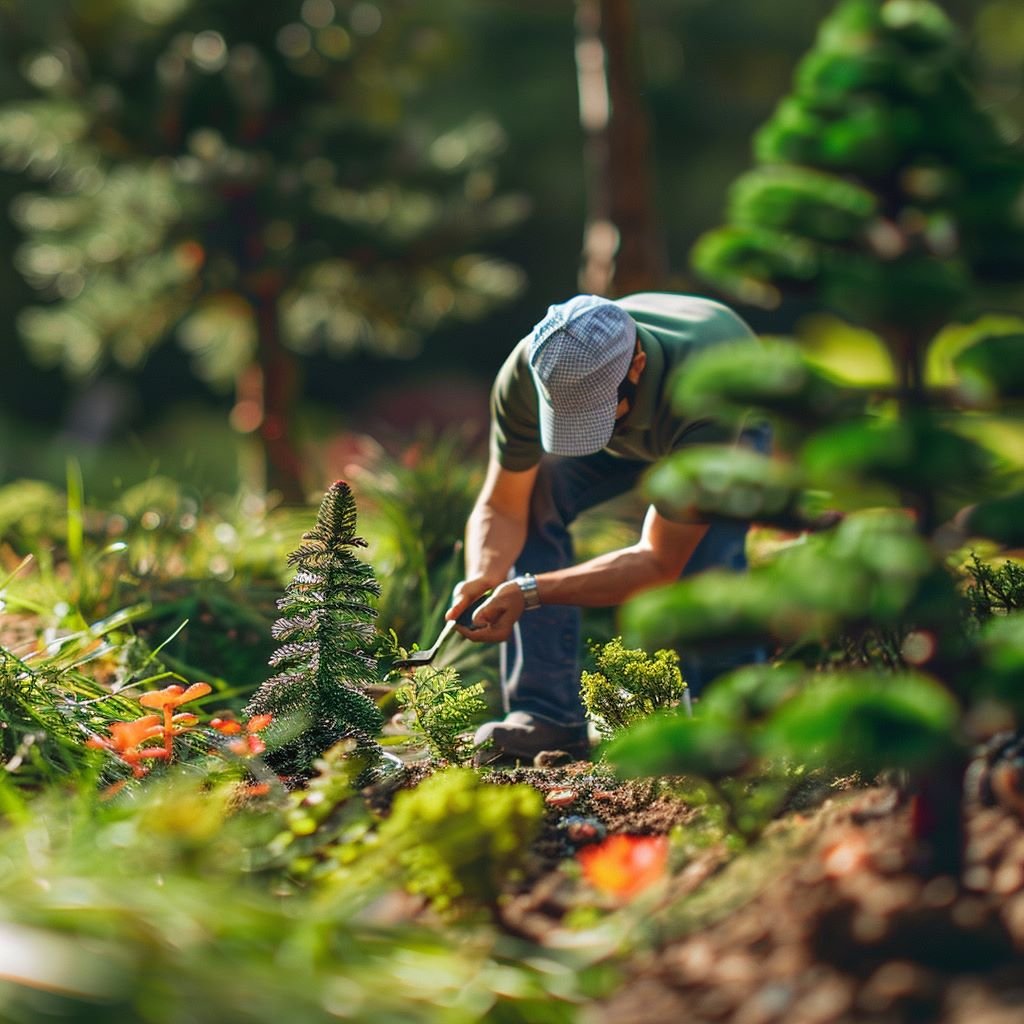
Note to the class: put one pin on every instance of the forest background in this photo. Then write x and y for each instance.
(492, 95)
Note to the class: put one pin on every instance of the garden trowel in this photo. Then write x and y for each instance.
(420, 658)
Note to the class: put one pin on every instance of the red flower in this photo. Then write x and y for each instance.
(625, 865)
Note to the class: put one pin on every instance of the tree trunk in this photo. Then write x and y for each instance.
(280, 378)
(623, 250)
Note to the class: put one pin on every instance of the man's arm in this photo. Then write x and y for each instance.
(495, 532)
(658, 557)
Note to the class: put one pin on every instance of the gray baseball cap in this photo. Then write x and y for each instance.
(579, 354)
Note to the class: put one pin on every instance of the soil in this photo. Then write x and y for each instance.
(824, 921)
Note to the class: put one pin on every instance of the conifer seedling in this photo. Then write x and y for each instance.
(325, 658)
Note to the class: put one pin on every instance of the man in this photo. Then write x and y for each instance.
(579, 410)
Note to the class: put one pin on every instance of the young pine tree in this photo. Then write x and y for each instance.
(887, 194)
(326, 633)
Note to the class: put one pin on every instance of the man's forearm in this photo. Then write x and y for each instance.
(493, 542)
(612, 578)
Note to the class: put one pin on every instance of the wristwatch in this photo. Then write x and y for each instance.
(527, 583)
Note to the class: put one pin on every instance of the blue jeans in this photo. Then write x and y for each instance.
(540, 663)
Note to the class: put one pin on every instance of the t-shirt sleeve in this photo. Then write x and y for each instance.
(515, 428)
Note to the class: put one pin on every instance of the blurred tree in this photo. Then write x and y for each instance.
(884, 188)
(623, 250)
(887, 193)
(247, 176)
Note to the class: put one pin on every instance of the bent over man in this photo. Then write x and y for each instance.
(580, 408)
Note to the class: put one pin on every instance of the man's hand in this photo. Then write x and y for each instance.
(465, 593)
(494, 619)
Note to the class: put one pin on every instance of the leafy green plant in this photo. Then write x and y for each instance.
(883, 188)
(440, 710)
(459, 840)
(629, 685)
(326, 639)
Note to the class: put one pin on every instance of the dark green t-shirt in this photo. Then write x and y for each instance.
(670, 329)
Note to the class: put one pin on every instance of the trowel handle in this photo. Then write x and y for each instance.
(465, 617)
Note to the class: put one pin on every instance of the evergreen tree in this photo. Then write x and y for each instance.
(326, 634)
(883, 192)
(888, 195)
(252, 176)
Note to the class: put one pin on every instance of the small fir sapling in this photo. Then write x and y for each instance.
(442, 710)
(326, 636)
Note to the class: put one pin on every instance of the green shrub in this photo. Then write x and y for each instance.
(326, 638)
(459, 840)
(630, 685)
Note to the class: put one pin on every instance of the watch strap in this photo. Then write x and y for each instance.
(527, 583)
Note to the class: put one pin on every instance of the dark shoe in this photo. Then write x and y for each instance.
(521, 737)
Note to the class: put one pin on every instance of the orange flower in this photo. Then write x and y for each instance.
(226, 726)
(126, 739)
(624, 865)
(250, 743)
(169, 698)
(174, 696)
(125, 736)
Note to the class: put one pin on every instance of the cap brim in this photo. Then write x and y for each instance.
(576, 433)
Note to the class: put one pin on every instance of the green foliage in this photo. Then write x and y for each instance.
(440, 710)
(326, 637)
(629, 685)
(868, 723)
(212, 172)
(325, 821)
(751, 694)
(873, 567)
(771, 376)
(882, 171)
(804, 202)
(733, 483)
(458, 839)
(915, 453)
(676, 745)
(754, 725)
(222, 934)
(993, 589)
